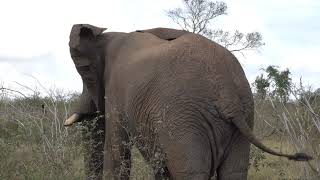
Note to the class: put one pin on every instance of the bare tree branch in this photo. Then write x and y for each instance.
(197, 15)
(7, 89)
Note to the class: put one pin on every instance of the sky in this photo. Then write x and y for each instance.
(34, 36)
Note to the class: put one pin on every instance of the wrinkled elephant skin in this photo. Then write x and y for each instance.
(182, 99)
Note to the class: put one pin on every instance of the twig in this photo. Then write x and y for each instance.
(7, 89)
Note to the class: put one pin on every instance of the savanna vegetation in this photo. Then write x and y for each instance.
(34, 144)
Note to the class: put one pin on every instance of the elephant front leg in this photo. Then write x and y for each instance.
(93, 137)
(118, 148)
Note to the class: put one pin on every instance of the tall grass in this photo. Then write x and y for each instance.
(34, 144)
(290, 127)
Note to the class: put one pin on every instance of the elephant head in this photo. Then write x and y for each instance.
(89, 61)
(88, 56)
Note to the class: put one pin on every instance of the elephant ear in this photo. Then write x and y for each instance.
(82, 32)
(165, 33)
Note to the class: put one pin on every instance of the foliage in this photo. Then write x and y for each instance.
(276, 85)
(257, 158)
(261, 84)
(295, 124)
(281, 82)
(196, 16)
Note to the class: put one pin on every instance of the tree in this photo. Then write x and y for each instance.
(280, 82)
(196, 17)
(261, 84)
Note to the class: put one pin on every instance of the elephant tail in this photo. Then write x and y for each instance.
(247, 132)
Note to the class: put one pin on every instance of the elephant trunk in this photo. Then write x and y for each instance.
(91, 70)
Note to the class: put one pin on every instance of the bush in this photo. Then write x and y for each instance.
(34, 144)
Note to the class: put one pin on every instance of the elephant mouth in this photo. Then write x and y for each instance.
(77, 117)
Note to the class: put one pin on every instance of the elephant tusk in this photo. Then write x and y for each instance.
(72, 119)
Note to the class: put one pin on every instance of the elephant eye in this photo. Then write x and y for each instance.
(74, 52)
(83, 69)
(86, 75)
(81, 61)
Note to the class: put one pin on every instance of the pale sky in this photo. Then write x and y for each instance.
(34, 35)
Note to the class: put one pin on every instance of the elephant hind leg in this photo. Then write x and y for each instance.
(188, 156)
(236, 162)
(161, 175)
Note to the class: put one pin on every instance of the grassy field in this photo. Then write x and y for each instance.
(34, 144)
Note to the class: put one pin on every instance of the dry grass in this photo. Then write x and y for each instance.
(35, 145)
(290, 128)
(273, 167)
(33, 142)
(140, 169)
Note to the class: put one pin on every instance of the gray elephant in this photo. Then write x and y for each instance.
(182, 99)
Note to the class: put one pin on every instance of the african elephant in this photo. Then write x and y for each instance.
(182, 99)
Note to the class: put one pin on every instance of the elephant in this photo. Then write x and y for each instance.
(181, 98)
